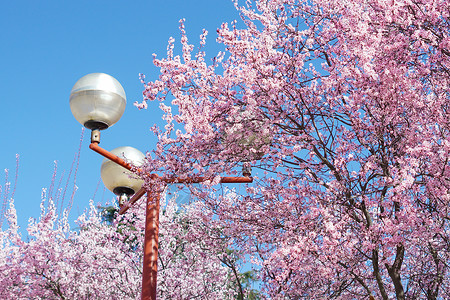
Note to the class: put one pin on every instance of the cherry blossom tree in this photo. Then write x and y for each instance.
(342, 109)
(104, 261)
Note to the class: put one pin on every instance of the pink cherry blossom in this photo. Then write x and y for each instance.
(351, 190)
(104, 261)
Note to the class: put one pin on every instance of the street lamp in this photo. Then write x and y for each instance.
(249, 131)
(98, 101)
(119, 180)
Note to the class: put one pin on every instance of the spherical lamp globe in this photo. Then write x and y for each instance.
(116, 178)
(97, 101)
(248, 135)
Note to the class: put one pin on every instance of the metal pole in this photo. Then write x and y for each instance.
(150, 267)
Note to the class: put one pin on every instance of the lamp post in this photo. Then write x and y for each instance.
(98, 101)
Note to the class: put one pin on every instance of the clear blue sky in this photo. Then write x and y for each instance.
(46, 46)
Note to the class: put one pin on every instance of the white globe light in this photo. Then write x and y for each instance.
(248, 134)
(97, 101)
(118, 179)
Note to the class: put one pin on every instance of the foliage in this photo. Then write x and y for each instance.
(242, 281)
(108, 213)
(351, 101)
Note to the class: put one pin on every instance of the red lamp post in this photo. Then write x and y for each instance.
(98, 101)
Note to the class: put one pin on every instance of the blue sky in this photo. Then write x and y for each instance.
(46, 46)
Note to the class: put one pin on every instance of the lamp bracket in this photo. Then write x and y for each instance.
(95, 136)
(247, 169)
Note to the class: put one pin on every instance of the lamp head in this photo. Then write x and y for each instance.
(97, 101)
(249, 134)
(116, 178)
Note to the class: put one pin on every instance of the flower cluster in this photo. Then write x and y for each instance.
(102, 260)
(351, 102)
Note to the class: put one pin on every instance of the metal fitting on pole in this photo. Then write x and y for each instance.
(95, 136)
(123, 198)
(247, 169)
